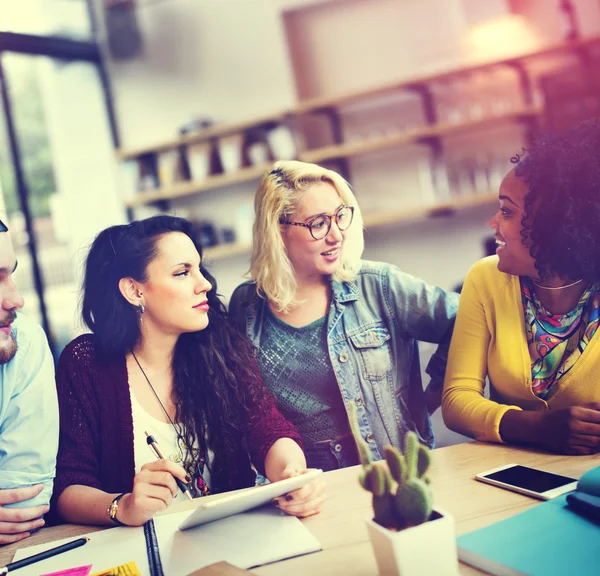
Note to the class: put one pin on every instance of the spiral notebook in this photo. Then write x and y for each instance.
(245, 540)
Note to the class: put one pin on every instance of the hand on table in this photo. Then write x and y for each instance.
(305, 501)
(17, 523)
(573, 430)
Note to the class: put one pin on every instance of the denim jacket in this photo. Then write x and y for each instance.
(373, 328)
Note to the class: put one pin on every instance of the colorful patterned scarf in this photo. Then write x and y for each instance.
(556, 341)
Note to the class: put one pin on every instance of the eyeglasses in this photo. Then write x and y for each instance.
(3, 227)
(320, 225)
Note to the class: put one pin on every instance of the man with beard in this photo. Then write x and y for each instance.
(28, 411)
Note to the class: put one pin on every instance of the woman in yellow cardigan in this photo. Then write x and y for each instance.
(528, 316)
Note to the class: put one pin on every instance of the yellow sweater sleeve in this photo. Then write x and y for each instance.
(464, 406)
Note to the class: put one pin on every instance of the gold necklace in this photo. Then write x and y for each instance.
(557, 287)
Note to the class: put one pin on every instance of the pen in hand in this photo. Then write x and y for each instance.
(154, 447)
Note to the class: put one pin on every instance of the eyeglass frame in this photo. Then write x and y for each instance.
(329, 216)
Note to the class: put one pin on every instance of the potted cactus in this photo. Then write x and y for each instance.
(409, 536)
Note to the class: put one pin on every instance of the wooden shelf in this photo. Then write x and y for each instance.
(317, 104)
(380, 219)
(183, 189)
(350, 149)
(203, 135)
(190, 188)
(222, 251)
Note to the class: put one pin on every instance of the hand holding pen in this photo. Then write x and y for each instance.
(154, 488)
(154, 447)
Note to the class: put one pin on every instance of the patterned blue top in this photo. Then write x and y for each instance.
(295, 365)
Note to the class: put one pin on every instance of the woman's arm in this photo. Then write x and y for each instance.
(425, 313)
(283, 458)
(573, 430)
(276, 447)
(154, 488)
(267, 425)
(77, 461)
(464, 407)
(80, 504)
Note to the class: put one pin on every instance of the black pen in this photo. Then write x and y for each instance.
(43, 555)
(154, 447)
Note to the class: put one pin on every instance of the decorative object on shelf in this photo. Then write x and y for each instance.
(169, 168)
(148, 176)
(206, 234)
(257, 146)
(282, 143)
(231, 152)
(226, 235)
(405, 528)
(569, 20)
(198, 157)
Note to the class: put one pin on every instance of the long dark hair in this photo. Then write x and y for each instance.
(213, 371)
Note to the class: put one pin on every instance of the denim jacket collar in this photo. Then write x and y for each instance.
(343, 292)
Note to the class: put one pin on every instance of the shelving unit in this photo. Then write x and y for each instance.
(419, 135)
(431, 134)
(191, 188)
(319, 104)
(249, 174)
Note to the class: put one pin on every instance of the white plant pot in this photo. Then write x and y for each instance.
(427, 549)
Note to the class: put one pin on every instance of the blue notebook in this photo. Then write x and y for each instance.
(549, 539)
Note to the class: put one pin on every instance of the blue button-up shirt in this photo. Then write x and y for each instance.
(373, 328)
(28, 414)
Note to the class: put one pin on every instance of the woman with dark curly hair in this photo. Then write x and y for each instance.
(162, 359)
(528, 317)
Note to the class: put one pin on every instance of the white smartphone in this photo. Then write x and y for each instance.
(529, 481)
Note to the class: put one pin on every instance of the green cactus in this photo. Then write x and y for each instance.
(402, 495)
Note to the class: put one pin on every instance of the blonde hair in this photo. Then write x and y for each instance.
(278, 195)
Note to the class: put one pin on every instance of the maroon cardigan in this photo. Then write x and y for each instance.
(96, 425)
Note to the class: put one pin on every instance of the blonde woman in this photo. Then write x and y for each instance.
(330, 328)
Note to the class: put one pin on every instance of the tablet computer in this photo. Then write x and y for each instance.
(246, 500)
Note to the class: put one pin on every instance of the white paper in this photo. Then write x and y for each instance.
(244, 540)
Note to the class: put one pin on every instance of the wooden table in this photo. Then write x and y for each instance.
(341, 529)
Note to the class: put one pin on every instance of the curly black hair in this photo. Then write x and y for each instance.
(562, 206)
